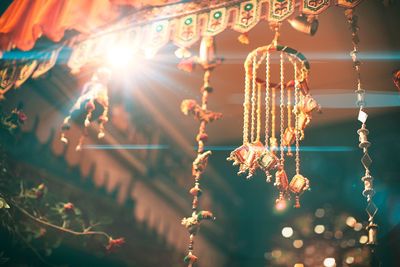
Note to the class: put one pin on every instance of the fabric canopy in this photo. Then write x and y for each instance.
(26, 21)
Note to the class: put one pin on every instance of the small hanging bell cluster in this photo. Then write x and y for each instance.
(91, 106)
(208, 62)
(269, 156)
(363, 132)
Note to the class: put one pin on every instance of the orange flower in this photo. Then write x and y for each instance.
(69, 207)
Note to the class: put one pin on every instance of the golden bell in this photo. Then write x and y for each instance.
(304, 24)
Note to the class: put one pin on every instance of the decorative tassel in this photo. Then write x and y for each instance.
(186, 65)
(244, 38)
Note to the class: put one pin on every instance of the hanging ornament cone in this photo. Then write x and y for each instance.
(91, 106)
(269, 156)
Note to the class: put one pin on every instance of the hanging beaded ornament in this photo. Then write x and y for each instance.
(270, 155)
(208, 61)
(91, 106)
(363, 132)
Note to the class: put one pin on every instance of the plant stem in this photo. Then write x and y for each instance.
(60, 228)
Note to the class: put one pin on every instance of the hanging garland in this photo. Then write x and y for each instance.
(208, 61)
(253, 154)
(185, 23)
(363, 132)
(151, 29)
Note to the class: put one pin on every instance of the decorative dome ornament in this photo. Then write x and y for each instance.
(270, 155)
(92, 105)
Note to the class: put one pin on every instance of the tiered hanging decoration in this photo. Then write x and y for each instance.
(91, 106)
(208, 61)
(270, 155)
(363, 132)
(149, 29)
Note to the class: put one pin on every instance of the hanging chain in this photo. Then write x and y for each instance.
(199, 164)
(253, 100)
(289, 117)
(281, 105)
(297, 130)
(267, 96)
(259, 86)
(289, 108)
(246, 106)
(363, 132)
(273, 115)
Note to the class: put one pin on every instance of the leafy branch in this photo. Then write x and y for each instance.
(27, 213)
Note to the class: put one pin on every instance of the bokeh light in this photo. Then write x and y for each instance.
(329, 262)
(350, 221)
(281, 205)
(319, 213)
(287, 232)
(276, 253)
(298, 243)
(319, 229)
(350, 260)
(363, 239)
(358, 227)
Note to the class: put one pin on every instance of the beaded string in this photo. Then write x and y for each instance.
(289, 117)
(253, 100)
(281, 105)
(246, 106)
(198, 167)
(259, 85)
(267, 97)
(273, 115)
(297, 130)
(363, 132)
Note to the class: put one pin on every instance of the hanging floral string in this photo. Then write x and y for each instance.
(363, 132)
(208, 61)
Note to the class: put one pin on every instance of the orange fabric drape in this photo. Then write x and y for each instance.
(144, 3)
(26, 20)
